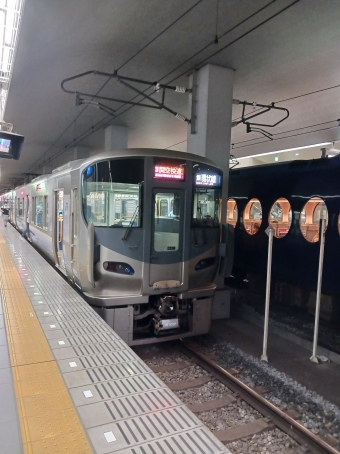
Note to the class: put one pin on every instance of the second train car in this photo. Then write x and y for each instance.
(137, 231)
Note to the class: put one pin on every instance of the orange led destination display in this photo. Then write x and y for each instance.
(169, 172)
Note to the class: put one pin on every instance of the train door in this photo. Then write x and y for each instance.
(167, 236)
(59, 226)
(27, 210)
(74, 233)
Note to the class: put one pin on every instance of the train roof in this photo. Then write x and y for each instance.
(130, 153)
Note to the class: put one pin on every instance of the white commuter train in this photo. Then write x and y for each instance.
(137, 231)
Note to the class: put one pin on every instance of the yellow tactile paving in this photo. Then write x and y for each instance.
(48, 420)
(74, 443)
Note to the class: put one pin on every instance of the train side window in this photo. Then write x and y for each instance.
(20, 207)
(32, 211)
(280, 217)
(39, 211)
(232, 212)
(252, 216)
(310, 216)
(45, 211)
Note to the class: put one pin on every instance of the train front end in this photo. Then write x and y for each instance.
(152, 229)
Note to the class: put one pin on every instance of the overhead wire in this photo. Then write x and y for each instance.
(159, 34)
(108, 118)
(175, 144)
(120, 67)
(100, 124)
(277, 134)
(292, 98)
(290, 130)
(289, 136)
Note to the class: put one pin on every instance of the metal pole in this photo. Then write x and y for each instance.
(270, 233)
(313, 358)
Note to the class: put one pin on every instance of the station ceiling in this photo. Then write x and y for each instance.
(286, 51)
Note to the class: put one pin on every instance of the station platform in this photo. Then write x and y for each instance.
(68, 383)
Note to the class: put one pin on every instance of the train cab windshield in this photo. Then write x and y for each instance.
(112, 192)
(207, 196)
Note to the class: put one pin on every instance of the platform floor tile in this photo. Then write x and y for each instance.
(124, 407)
(45, 409)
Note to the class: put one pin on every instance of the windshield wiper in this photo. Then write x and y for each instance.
(128, 230)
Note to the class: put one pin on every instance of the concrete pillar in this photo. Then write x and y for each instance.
(79, 153)
(214, 96)
(116, 137)
(209, 136)
(46, 170)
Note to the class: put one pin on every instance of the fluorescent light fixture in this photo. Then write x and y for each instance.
(10, 21)
(284, 151)
(5, 59)
(2, 24)
(276, 158)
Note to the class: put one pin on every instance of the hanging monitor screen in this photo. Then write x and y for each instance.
(208, 179)
(10, 145)
(169, 172)
(4, 145)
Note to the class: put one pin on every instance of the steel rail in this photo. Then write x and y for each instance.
(284, 422)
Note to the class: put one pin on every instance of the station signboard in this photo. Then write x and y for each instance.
(208, 179)
(169, 172)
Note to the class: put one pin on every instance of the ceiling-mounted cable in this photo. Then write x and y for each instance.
(274, 138)
(121, 66)
(99, 124)
(289, 130)
(159, 34)
(106, 121)
(216, 27)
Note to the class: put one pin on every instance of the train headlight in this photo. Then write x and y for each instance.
(119, 267)
(205, 263)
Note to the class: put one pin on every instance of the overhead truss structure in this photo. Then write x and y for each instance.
(89, 98)
(95, 100)
(263, 108)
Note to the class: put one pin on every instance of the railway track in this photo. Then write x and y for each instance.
(272, 416)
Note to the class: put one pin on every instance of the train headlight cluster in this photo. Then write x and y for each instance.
(118, 267)
(205, 263)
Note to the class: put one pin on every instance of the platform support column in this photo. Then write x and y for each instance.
(79, 152)
(270, 233)
(116, 137)
(46, 169)
(210, 107)
(314, 358)
(210, 110)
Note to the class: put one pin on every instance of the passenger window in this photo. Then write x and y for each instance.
(280, 217)
(32, 211)
(232, 212)
(310, 217)
(252, 216)
(39, 211)
(20, 207)
(45, 212)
